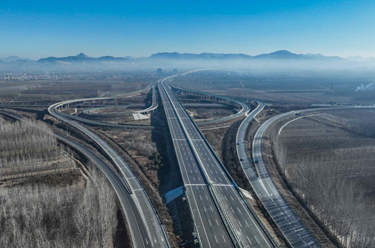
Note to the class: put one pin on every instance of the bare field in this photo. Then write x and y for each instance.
(302, 87)
(72, 86)
(204, 114)
(328, 159)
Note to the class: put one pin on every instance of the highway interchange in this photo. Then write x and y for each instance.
(221, 216)
(156, 236)
(137, 227)
(220, 213)
(287, 221)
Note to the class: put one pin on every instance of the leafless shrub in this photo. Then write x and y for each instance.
(28, 143)
(51, 214)
(70, 216)
(143, 148)
(333, 190)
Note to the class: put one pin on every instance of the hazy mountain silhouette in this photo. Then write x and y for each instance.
(84, 62)
(175, 55)
(13, 58)
(282, 54)
(81, 58)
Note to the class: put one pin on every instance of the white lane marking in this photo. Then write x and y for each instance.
(216, 239)
(248, 240)
(256, 239)
(281, 129)
(196, 204)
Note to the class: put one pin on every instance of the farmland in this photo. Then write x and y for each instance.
(302, 88)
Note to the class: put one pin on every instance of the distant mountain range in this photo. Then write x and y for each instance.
(82, 58)
(174, 56)
(13, 58)
(283, 54)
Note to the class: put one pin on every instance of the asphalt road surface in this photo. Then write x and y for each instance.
(156, 236)
(286, 220)
(244, 107)
(221, 216)
(154, 102)
(134, 220)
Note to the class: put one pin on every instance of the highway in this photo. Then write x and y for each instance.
(221, 216)
(156, 236)
(104, 124)
(154, 101)
(244, 107)
(134, 220)
(286, 220)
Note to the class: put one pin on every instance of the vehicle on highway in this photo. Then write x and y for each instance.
(256, 161)
(242, 159)
(238, 143)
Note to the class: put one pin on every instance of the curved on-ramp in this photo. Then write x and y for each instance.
(284, 217)
(243, 111)
(138, 229)
(156, 236)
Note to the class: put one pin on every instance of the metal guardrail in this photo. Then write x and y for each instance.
(53, 111)
(222, 212)
(233, 183)
(19, 117)
(103, 124)
(285, 202)
(223, 119)
(154, 103)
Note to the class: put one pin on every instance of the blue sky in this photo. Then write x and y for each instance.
(40, 28)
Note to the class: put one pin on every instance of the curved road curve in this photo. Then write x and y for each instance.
(137, 228)
(156, 236)
(286, 220)
(244, 107)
